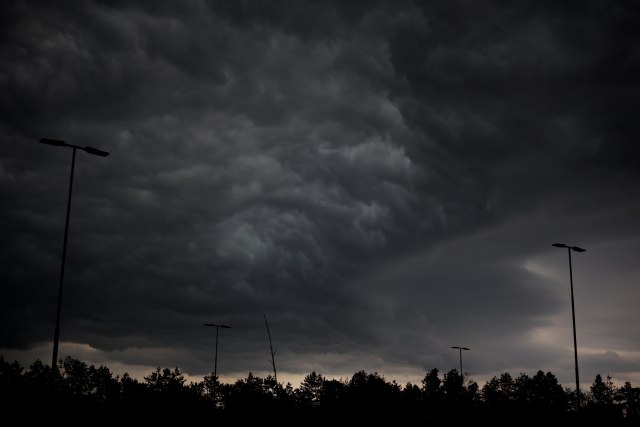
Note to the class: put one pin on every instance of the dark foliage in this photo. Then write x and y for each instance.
(79, 394)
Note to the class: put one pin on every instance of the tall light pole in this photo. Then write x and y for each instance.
(96, 152)
(215, 363)
(461, 348)
(573, 316)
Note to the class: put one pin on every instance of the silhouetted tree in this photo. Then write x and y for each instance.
(547, 393)
(281, 397)
(433, 393)
(10, 374)
(75, 377)
(411, 401)
(460, 399)
(452, 387)
(249, 397)
(602, 392)
(43, 388)
(92, 394)
(104, 387)
(212, 389)
(499, 397)
(310, 391)
(167, 387)
(371, 394)
(332, 398)
(540, 396)
(13, 387)
(629, 399)
(600, 401)
(132, 391)
(166, 381)
(471, 394)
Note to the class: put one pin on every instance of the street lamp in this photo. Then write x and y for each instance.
(96, 152)
(215, 365)
(461, 348)
(573, 316)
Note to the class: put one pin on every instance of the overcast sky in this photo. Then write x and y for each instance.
(381, 179)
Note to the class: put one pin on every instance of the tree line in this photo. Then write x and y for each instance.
(79, 393)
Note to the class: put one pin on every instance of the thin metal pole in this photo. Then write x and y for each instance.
(575, 344)
(273, 355)
(460, 348)
(215, 363)
(54, 358)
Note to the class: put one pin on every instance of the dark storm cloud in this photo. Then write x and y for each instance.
(374, 176)
(521, 86)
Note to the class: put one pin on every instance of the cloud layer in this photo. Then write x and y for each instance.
(382, 180)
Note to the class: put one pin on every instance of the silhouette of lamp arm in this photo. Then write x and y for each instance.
(95, 152)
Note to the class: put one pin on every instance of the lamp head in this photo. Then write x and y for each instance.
(95, 151)
(217, 326)
(56, 142)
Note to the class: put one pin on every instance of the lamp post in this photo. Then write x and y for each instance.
(215, 364)
(573, 317)
(461, 348)
(95, 152)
